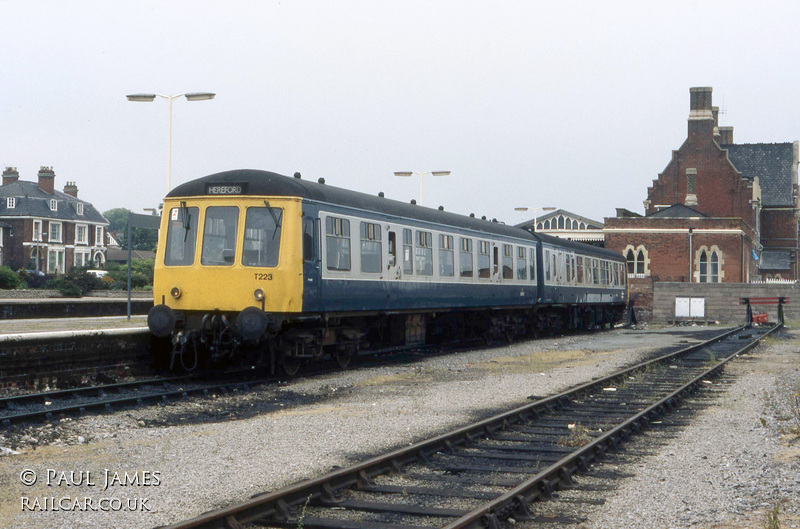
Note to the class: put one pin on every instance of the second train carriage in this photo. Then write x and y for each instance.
(255, 264)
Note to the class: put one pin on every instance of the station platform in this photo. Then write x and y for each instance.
(27, 308)
(53, 327)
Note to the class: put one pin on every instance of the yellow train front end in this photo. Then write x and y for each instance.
(228, 269)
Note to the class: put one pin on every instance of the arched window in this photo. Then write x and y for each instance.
(560, 223)
(547, 224)
(539, 226)
(631, 262)
(640, 262)
(574, 224)
(709, 266)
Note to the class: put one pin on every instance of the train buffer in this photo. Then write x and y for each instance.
(780, 301)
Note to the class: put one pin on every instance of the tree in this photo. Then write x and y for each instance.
(142, 239)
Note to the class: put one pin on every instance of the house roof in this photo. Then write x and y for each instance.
(33, 202)
(775, 260)
(771, 163)
(677, 211)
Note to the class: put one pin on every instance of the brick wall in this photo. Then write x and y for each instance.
(722, 300)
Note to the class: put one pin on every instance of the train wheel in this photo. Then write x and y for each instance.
(343, 357)
(290, 365)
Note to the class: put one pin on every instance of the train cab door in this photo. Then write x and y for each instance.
(312, 261)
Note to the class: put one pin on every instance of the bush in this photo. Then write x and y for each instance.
(68, 289)
(84, 280)
(9, 279)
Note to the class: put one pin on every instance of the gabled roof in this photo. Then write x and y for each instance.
(677, 211)
(771, 163)
(33, 202)
(590, 224)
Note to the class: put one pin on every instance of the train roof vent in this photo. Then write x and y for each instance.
(441, 208)
(297, 175)
(380, 194)
(320, 180)
(413, 201)
(472, 215)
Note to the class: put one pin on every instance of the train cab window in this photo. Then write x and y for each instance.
(219, 235)
(181, 236)
(337, 243)
(532, 264)
(522, 264)
(508, 261)
(371, 251)
(309, 248)
(408, 251)
(262, 237)
(423, 253)
(446, 258)
(484, 262)
(465, 258)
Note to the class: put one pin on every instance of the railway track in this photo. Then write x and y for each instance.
(52, 405)
(485, 473)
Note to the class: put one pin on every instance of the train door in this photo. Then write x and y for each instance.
(495, 263)
(392, 265)
(311, 263)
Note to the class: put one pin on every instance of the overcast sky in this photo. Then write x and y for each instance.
(575, 105)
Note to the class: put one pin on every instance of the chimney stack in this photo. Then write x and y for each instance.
(71, 189)
(47, 179)
(10, 175)
(726, 135)
(701, 115)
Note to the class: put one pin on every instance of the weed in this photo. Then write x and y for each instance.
(578, 436)
(300, 524)
(773, 518)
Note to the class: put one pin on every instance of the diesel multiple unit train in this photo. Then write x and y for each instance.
(267, 269)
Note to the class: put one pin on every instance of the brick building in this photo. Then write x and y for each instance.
(46, 230)
(719, 212)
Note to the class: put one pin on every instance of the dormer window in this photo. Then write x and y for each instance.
(79, 207)
(11, 202)
(53, 205)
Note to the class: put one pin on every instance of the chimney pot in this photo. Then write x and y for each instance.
(726, 135)
(700, 103)
(71, 189)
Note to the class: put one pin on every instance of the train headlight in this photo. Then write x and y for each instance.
(175, 292)
(259, 295)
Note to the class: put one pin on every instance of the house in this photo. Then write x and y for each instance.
(718, 213)
(46, 230)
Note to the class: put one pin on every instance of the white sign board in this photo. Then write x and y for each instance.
(682, 307)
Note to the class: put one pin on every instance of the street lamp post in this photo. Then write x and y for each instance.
(549, 208)
(148, 98)
(421, 175)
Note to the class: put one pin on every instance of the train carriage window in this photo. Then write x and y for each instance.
(466, 258)
(595, 272)
(579, 270)
(554, 267)
(337, 243)
(219, 235)
(181, 236)
(484, 262)
(522, 264)
(262, 237)
(408, 251)
(568, 268)
(532, 264)
(371, 242)
(446, 257)
(423, 253)
(508, 261)
(309, 248)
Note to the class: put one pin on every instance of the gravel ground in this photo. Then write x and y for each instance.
(184, 459)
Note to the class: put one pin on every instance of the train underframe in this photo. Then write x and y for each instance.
(215, 340)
